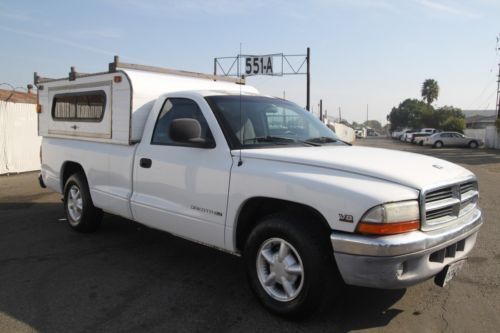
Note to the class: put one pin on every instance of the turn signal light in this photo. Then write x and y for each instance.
(388, 228)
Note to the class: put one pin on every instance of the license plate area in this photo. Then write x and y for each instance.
(448, 273)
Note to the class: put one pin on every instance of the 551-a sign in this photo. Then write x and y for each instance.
(259, 65)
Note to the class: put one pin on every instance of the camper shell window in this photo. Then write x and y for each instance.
(82, 106)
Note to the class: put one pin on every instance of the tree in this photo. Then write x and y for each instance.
(455, 124)
(430, 91)
(411, 113)
(450, 118)
(375, 124)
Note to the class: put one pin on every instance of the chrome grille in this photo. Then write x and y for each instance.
(444, 204)
(439, 194)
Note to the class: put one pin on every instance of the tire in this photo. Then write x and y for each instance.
(420, 143)
(438, 144)
(81, 213)
(473, 144)
(308, 267)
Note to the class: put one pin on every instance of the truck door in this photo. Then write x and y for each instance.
(182, 188)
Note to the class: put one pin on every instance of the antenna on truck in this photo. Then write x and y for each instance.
(240, 161)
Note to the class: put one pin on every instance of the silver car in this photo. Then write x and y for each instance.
(452, 139)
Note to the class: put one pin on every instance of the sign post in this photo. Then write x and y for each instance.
(277, 64)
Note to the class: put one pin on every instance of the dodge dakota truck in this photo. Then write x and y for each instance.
(209, 159)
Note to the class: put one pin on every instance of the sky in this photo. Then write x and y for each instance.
(365, 54)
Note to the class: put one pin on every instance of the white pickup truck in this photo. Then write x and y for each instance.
(209, 159)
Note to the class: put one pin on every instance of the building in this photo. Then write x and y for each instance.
(480, 119)
(17, 97)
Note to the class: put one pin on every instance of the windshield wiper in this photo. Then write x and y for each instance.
(324, 139)
(268, 138)
(321, 139)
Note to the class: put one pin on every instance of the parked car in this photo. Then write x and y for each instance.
(452, 139)
(429, 130)
(419, 137)
(360, 133)
(406, 134)
(409, 137)
(396, 135)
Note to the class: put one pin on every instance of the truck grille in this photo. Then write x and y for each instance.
(445, 204)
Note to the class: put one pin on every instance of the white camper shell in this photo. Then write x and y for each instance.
(113, 106)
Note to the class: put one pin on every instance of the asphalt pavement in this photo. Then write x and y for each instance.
(129, 278)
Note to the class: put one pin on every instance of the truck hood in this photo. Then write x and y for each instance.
(409, 169)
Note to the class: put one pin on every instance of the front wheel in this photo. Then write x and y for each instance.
(81, 213)
(290, 268)
(473, 144)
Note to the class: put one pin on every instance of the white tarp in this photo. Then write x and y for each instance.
(19, 140)
(344, 132)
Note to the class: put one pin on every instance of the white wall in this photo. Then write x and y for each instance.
(492, 139)
(19, 140)
(489, 135)
(479, 133)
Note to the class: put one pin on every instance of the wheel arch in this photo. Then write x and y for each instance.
(69, 168)
(254, 209)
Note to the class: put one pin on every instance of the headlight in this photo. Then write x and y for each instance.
(391, 218)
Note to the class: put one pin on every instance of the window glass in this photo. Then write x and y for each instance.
(179, 108)
(82, 106)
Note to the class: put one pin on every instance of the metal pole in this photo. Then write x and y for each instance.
(215, 66)
(366, 112)
(308, 89)
(340, 114)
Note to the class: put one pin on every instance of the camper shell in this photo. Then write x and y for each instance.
(113, 106)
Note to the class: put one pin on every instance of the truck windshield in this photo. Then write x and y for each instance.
(257, 121)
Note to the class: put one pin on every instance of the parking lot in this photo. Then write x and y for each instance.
(130, 278)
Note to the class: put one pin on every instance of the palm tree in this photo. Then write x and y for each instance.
(430, 91)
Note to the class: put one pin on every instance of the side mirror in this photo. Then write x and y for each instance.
(188, 131)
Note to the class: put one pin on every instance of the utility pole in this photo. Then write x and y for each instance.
(366, 112)
(308, 88)
(498, 92)
(321, 109)
(340, 114)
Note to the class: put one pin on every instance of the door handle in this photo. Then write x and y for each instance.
(145, 163)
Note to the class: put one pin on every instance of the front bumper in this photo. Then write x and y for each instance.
(399, 261)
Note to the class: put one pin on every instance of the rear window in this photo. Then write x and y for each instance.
(82, 106)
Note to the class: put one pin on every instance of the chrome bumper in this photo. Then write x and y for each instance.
(398, 261)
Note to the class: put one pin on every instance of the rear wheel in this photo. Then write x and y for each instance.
(473, 144)
(438, 144)
(290, 267)
(81, 213)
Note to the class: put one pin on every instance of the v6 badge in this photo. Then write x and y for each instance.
(346, 218)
